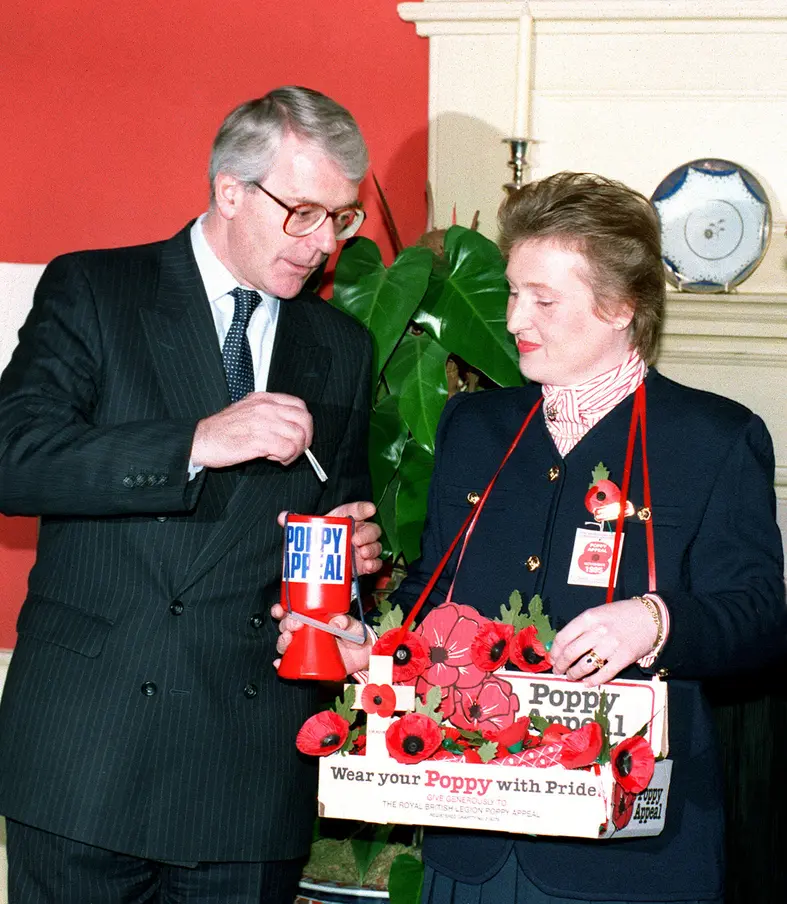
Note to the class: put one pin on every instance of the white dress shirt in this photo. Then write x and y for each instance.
(261, 332)
(219, 282)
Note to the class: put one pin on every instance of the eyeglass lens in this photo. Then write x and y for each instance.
(306, 218)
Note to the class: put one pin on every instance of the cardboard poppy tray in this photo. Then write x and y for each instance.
(527, 792)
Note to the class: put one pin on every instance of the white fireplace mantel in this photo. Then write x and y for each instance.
(630, 89)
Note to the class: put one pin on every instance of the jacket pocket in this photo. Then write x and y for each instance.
(63, 625)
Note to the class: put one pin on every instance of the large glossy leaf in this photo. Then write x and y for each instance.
(366, 848)
(386, 518)
(383, 299)
(415, 472)
(468, 316)
(405, 880)
(387, 436)
(416, 377)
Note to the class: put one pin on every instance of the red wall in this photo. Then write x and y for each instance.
(107, 113)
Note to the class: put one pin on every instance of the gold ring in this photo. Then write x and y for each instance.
(595, 660)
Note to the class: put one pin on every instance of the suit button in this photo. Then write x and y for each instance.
(256, 620)
(151, 481)
(176, 607)
(473, 497)
(140, 480)
(250, 691)
(533, 563)
(128, 481)
(663, 673)
(149, 689)
(162, 479)
(553, 473)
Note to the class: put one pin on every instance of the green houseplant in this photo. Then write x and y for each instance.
(437, 319)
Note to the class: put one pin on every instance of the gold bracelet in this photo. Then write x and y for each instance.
(655, 614)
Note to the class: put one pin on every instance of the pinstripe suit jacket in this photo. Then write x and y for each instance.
(141, 711)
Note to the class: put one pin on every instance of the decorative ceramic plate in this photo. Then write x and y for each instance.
(715, 225)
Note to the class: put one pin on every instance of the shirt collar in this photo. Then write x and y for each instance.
(216, 277)
(586, 403)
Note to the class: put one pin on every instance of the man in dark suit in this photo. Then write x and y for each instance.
(155, 415)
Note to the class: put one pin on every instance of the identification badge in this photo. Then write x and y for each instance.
(592, 558)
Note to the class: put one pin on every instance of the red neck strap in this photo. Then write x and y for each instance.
(637, 420)
(468, 526)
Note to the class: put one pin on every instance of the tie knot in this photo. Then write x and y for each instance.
(246, 301)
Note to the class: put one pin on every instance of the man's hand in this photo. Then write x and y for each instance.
(619, 634)
(365, 537)
(261, 425)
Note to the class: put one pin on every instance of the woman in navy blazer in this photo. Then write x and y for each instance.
(585, 308)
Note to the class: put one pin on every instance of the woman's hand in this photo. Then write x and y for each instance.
(598, 644)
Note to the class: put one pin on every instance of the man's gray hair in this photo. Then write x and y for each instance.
(249, 138)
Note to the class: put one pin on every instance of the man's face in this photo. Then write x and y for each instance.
(256, 250)
(551, 313)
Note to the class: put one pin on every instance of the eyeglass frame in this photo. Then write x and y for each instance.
(291, 209)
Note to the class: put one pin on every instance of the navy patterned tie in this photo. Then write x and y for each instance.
(236, 351)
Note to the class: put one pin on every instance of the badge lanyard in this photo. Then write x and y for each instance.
(637, 420)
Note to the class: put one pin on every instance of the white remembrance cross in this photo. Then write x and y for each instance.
(381, 673)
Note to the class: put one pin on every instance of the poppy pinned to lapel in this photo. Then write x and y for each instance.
(603, 497)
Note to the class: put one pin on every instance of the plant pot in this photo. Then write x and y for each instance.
(334, 893)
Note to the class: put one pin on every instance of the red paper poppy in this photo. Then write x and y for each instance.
(516, 733)
(622, 806)
(490, 648)
(633, 764)
(322, 734)
(582, 746)
(413, 738)
(554, 732)
(491, 706)
(449, 630)
(528, 653)
(471, 755)
(359, 745)
(603, 493)
(380, 699)
(410, 655)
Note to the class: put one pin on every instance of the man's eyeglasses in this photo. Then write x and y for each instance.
(303, 219)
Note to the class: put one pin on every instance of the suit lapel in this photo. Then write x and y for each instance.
(181, 336)
(299, 367)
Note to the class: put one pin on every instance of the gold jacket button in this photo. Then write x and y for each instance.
(553, 473)
(663, 673)
(533, 563)
(473, 497)
(644, 514)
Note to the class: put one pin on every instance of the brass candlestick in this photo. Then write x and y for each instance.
(518, 162)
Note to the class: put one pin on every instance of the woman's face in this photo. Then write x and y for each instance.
(560, 338)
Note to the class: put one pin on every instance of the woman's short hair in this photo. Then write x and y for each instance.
(616, 230)
(249, 138)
